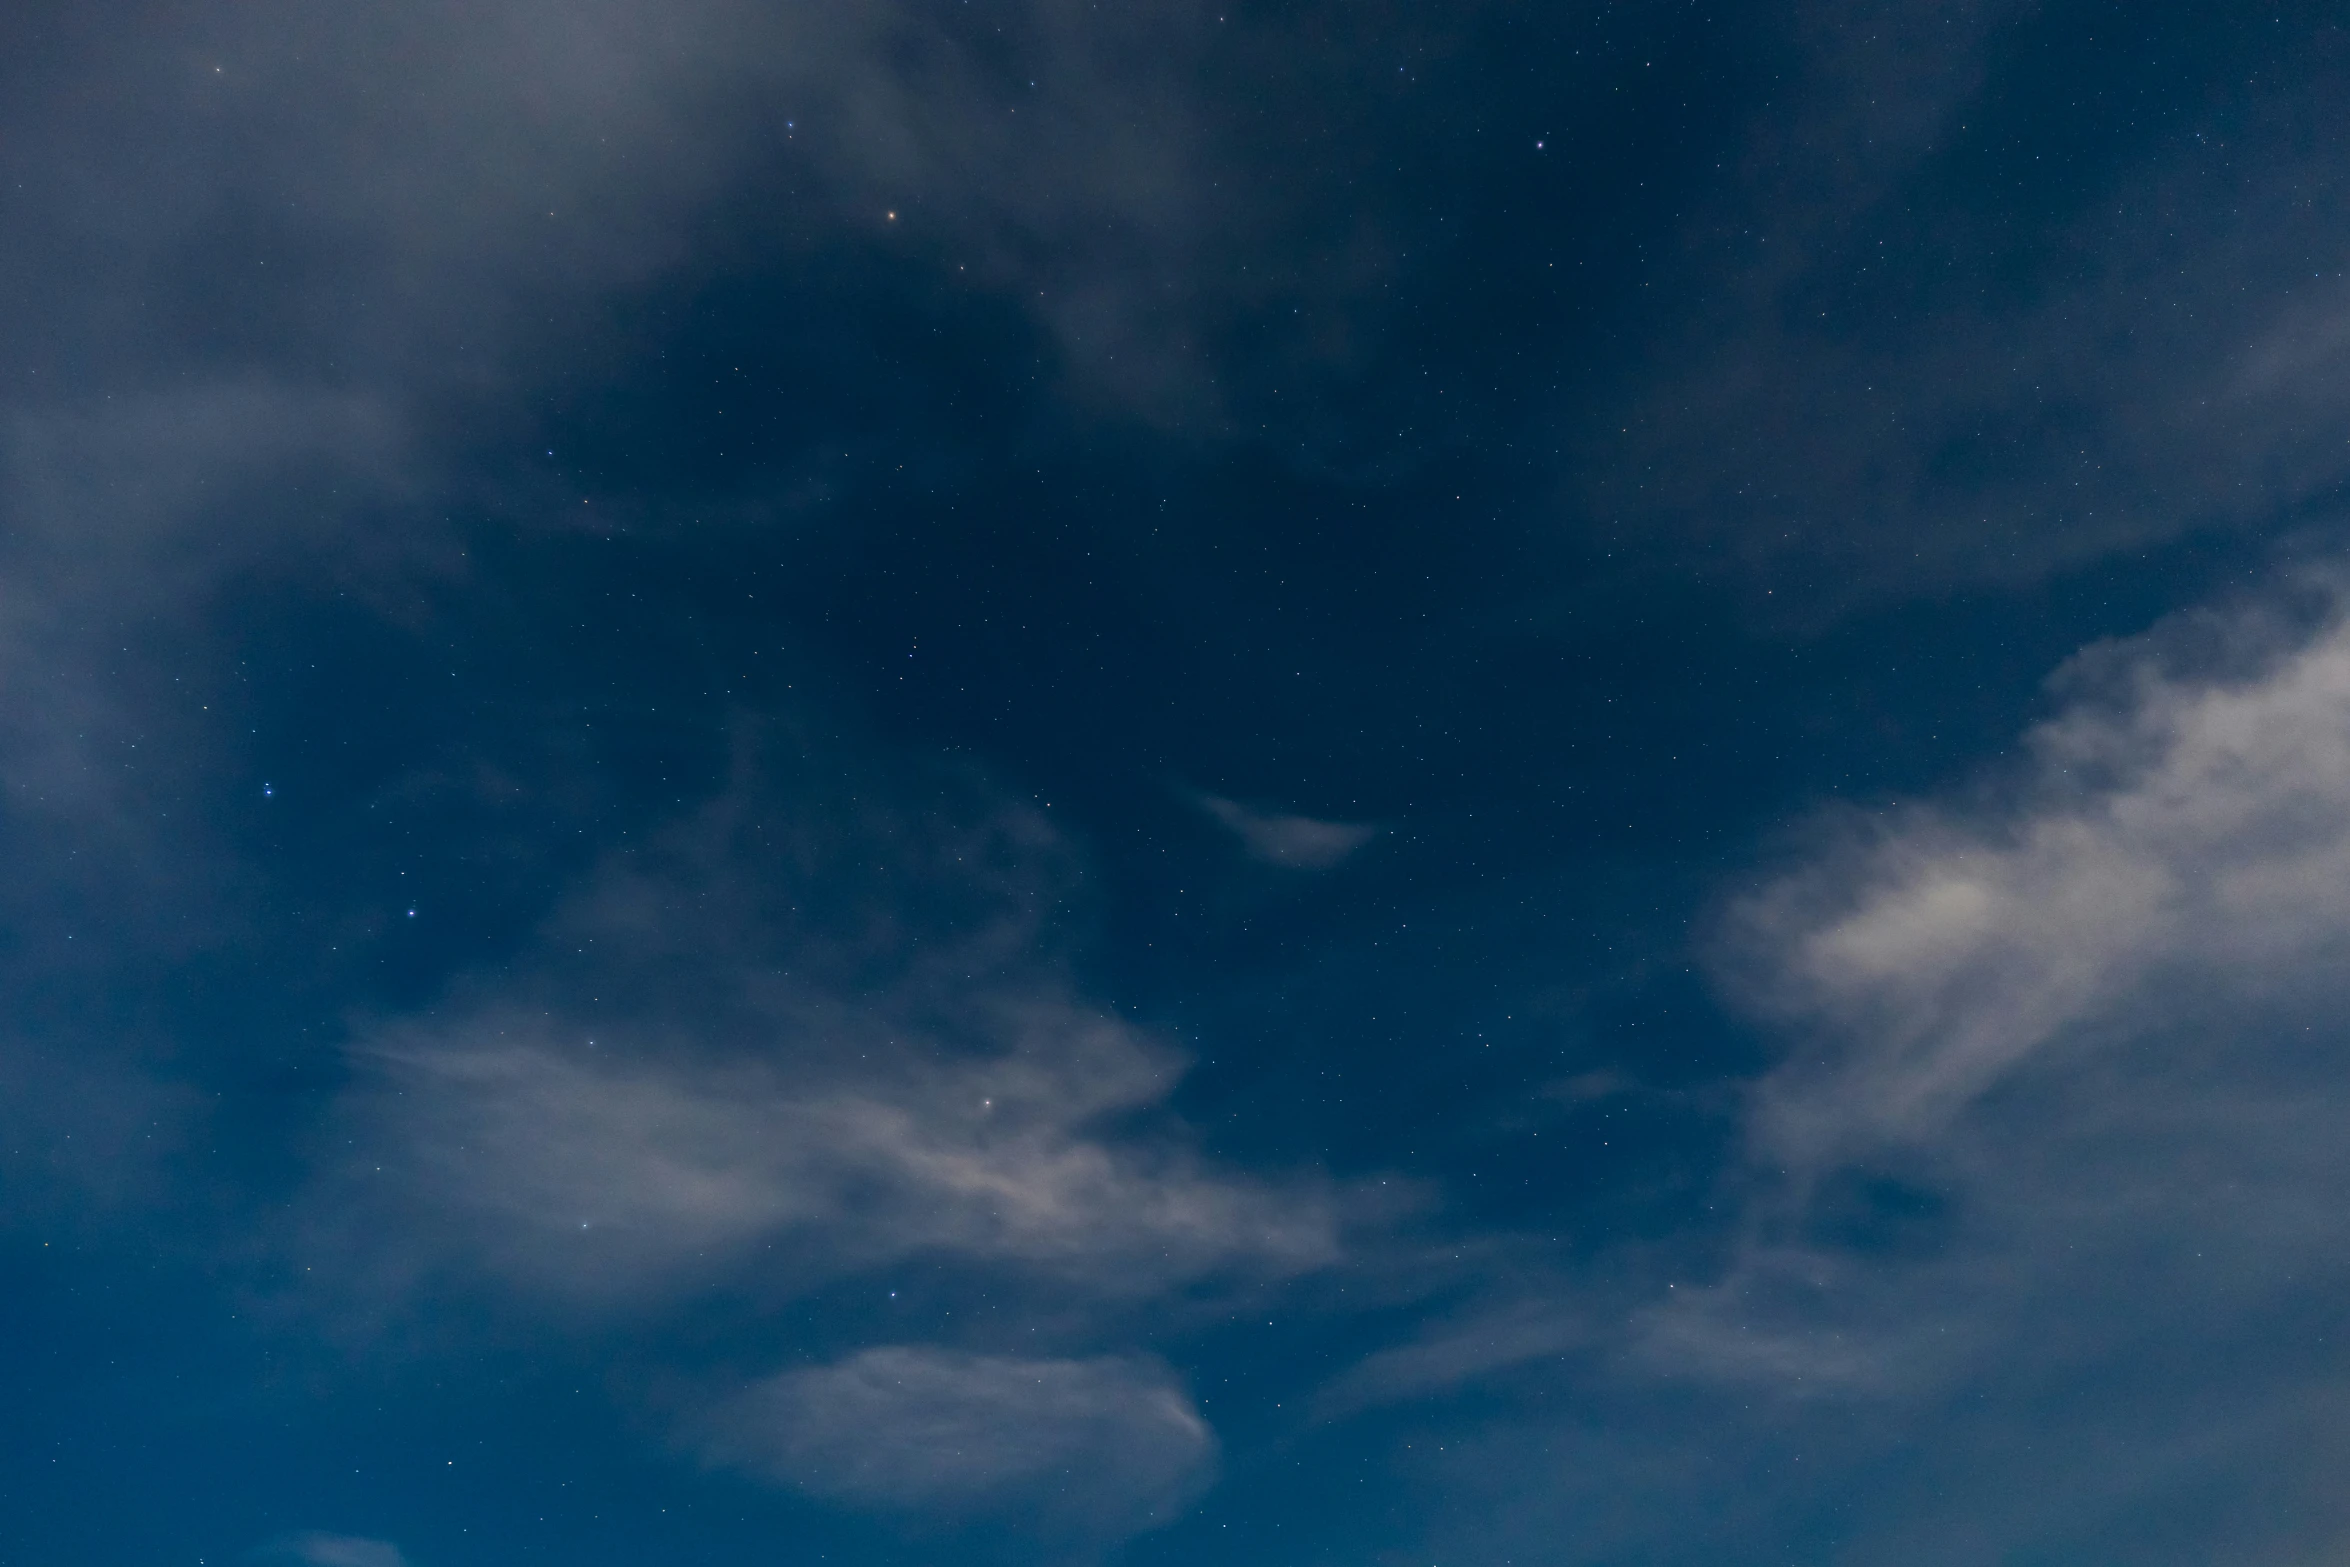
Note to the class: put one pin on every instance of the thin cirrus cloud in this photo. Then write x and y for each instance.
(694, 1075)
(337, 1550)
(605, 1173)
(1099, 1446)
(1303, 843)
(1451, 1354)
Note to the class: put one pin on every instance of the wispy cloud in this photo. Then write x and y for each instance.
(1302, 843)
(1450, 1355)
(614, 1171)
(707, 1066)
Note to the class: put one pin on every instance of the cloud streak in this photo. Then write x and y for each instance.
(1300, 843)
(605, 1172)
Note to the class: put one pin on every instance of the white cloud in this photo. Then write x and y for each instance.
(1098, 1446)
(1298, 842)
(2176, 834)
(2056, 1148)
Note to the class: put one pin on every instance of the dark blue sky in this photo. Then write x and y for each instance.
(1016, 781)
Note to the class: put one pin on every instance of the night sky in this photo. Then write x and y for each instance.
(919, 782)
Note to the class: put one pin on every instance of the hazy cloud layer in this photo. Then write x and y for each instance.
(1098, 1446)
(1888, 381)
(411, 202)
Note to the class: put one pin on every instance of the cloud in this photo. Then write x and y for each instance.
(2170, 835)
(135, 513)
(607, 1171)
(705, 1070)
(129, 519)
(1103, 1446)
(415, 197)
(2031, 1241)
(1297, 842)
(1451, 1355)
(2054, 1142)
(338, 1550)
